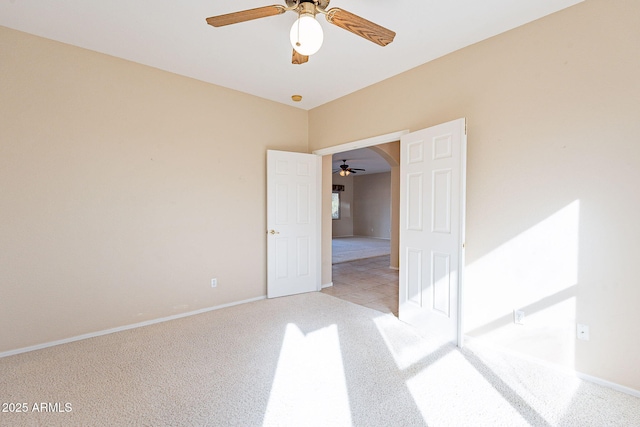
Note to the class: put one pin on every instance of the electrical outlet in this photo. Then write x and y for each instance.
(214, 283)
(518, 317)
(582, 331)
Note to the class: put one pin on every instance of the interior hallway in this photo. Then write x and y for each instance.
(368, 282)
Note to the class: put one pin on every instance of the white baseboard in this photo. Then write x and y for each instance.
(372, 237)
(327, 285)
(609, 384)
(357, 235)
(556, 367)
(125, 328)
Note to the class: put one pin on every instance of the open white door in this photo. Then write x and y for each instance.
(432, 195)
(293, 223)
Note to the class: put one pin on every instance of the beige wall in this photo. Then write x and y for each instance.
(372, 205)
(553, 160)
(391, 153)
(124, 190)
(344, 226)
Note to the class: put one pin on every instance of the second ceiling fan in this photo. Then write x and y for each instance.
(306, 33)
(345, 170)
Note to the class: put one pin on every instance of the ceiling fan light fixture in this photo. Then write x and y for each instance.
(344, 172)
(306, 35)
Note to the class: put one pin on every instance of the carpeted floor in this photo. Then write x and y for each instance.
(306, 360)
(346, 249)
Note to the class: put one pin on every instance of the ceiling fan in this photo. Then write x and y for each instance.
(345, 170)
(306, 33)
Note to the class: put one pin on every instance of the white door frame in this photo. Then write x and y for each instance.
(392, 137)
(362, 143)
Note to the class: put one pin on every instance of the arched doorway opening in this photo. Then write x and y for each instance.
(365, 227)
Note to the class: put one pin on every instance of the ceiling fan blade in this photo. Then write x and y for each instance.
(297, 58)
(360, 26)
(246, 15)
(356, 169)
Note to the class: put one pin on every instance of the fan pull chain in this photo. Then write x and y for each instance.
(298, 40)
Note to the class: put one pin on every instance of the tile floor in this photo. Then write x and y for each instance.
(368, 282)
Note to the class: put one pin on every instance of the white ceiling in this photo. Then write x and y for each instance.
(361, 158)
(255, 56)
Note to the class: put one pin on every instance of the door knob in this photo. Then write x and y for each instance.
(273, 232)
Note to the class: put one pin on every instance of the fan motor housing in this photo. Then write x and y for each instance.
(322, 4)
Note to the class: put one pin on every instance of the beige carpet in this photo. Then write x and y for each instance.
(346, 249)
(307, 360)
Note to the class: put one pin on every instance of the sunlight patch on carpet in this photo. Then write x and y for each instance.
(309, 387)
(406, 349)
(457, 388)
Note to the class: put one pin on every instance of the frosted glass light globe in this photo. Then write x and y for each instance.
(306, 35)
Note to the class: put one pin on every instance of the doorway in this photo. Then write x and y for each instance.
(370, 279)
(362, 227)
(428, 274)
